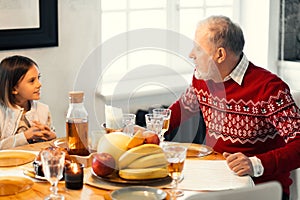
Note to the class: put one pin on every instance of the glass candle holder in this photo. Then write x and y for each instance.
(74, 176)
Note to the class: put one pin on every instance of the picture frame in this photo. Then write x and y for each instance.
(46, 35)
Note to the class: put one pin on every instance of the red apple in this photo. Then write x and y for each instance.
(103, 164)
(151, 137)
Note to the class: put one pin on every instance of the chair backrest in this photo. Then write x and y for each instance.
(296, 96)
(264, 191)
(295, 174)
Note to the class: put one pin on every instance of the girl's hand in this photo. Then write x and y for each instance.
(40, 126)
(239, 163)
(39, 132)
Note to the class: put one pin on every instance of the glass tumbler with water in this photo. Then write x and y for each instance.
(154, 123)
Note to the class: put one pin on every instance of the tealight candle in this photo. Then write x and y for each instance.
(74, 176)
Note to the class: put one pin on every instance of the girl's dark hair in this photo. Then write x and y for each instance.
(12, 70)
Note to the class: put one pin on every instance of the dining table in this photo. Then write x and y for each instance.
(92, 190)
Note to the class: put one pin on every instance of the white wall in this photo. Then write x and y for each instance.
(254, 21)
(290, 72)
(79, 34)
(261, 29)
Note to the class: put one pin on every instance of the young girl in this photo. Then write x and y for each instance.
(23, 119)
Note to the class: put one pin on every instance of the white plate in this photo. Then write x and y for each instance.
(32, 174)
(138, 193)
(198, 150)
(59, 142)
(194, 150)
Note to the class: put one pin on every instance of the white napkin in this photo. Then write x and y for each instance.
(211, 175)
(113, 117)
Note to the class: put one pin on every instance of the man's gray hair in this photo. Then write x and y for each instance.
(222, 32)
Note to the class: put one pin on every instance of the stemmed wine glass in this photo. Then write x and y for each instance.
(53, 164)
(166, 113)
(175, 155)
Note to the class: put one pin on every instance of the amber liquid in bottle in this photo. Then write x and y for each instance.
(77, 139)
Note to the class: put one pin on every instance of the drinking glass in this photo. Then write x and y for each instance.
(167, 116)
(154, 123)
(175, 155)
(94, 138)
(53, 161)
(128, 121)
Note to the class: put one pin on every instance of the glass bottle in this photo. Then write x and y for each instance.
(77, 125)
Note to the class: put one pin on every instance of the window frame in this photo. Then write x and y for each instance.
(172, 23)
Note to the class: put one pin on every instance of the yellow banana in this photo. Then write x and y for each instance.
(137, 152)
(151, 160)
(143, 174)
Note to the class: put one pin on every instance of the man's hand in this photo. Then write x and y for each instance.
(239, 163)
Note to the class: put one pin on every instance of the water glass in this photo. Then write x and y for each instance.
(154, 123)
(94, 139)
(167, 116)
(53, 161)
(128, 122)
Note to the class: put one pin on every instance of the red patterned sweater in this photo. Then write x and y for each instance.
(258, 118)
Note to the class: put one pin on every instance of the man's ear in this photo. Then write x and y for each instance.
(220, 55)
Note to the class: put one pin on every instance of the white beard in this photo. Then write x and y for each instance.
(212, 73)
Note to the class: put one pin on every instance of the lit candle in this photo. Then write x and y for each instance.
(74, 176)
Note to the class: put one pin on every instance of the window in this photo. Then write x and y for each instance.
(178, 16)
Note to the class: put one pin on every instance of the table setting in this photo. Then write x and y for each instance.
(135, 163)
(210, 175)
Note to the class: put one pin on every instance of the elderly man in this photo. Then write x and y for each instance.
(249, 113)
